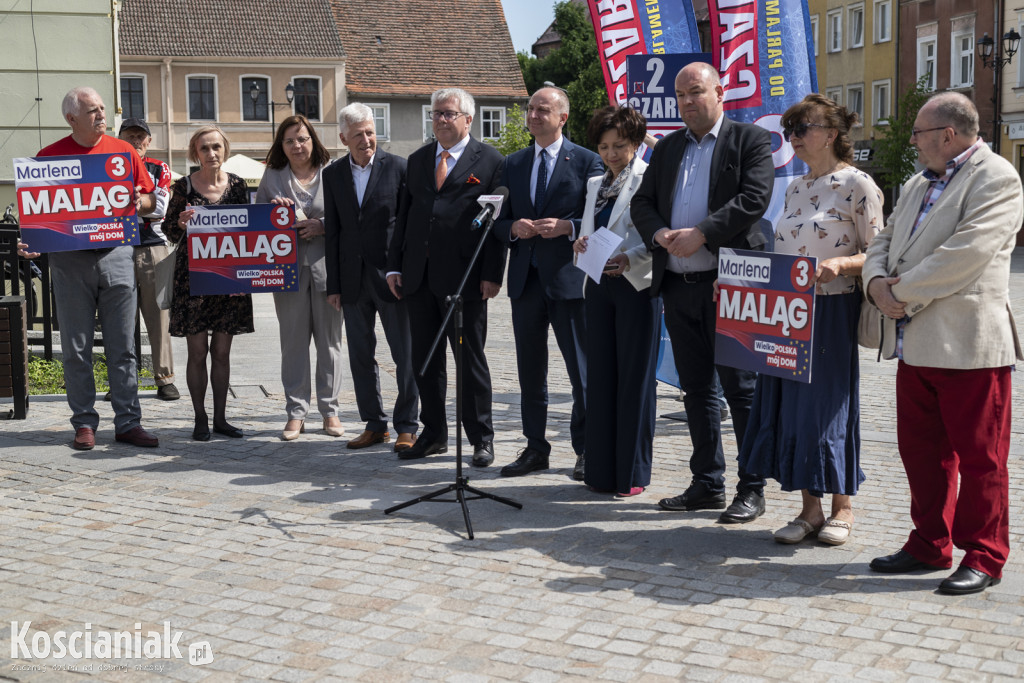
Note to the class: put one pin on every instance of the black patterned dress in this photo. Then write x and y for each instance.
(209, 313)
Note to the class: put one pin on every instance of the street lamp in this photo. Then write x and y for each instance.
(289, 95)
(996, 56)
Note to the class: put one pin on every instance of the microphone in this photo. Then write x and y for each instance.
(492, 205)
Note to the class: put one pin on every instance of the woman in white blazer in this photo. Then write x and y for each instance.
(622, 318)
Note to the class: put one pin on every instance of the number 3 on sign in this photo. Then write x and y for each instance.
(117, 166)
(802, 274)
(282, 217)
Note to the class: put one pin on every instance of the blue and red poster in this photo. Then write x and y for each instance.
(68, 203)
(765, 312)
(242, 249)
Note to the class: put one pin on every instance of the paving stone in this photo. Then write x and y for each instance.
(280, 556)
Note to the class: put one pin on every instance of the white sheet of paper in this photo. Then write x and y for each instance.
(600, 246)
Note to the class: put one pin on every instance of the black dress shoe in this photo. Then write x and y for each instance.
(201, 432)
(529, 460)
(228, 430)
(483, 454)
(694, 498)
(967, 580)
(899, 562)
(577, 471)
(745, 507)
(422, 448)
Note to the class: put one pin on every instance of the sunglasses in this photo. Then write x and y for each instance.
(800, 130)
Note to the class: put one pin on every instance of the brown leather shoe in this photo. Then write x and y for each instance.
(137, 436)
(405, 441)
(85, 439)
(368, 438)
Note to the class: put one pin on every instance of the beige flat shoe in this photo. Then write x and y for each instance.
(795, 531)
(289, 435)
(333, 431)
(835, 532)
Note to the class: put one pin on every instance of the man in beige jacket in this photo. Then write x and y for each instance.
(939, 272)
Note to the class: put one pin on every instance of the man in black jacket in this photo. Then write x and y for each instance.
(361, 195)
(433, 244)
(707, 187)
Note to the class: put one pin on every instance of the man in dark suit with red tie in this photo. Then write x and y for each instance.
(547, 184)
(361, 195)
(433, 244)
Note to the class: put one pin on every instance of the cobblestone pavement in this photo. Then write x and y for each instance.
(279, 557)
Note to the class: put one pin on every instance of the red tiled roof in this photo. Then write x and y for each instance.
(413, 47)
(229, 28)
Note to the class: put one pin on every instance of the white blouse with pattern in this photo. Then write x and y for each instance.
(836, 214)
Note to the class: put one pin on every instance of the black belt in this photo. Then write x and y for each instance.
(694, 277)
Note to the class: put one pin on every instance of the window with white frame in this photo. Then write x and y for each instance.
(883, 21)
(855, 14)
(961, 74)
(880, 101)
(855, 100)
(835, 94)
(381, 120)
(307, 97)
(926, 61)
(202, 98)
(133, 96)
(492, 120)
(834, 26)
(428, 124)
(814, 32)
(260, 109)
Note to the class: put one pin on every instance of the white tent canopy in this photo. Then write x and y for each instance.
(250, 170)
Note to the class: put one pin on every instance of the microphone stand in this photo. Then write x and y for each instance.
(461, 486)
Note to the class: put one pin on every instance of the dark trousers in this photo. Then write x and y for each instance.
(533, 312)
(956, 424)
(690, 320)
(360, 324)
(426, 312)
(623, 331)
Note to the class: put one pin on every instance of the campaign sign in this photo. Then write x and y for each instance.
(242, 249)
(765, 312)
(68, 203)
(652, 86)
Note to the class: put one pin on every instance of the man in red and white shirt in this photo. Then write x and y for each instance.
(98, 280)
(153, 249)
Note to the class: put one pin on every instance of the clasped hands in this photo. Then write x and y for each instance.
(880, 291)
(546, 228)
(682, 243)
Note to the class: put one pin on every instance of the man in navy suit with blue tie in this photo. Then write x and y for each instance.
(547, 185)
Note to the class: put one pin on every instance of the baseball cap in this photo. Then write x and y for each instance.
(134, 123)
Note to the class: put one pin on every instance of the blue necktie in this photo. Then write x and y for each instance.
(542, 183)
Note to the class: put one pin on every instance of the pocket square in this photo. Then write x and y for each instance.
(472, 180)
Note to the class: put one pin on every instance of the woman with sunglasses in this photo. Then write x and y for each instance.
(294, 165)
(807, 436)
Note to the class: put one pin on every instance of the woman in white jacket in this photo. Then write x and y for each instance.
(622, 318)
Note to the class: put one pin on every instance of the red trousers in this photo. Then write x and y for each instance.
(952, 422)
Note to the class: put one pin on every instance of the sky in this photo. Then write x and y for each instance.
(527, 19)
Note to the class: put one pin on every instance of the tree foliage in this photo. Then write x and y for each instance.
(893, 151)
(575, 66)
(514, 136)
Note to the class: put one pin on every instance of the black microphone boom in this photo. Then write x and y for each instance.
(491, 208)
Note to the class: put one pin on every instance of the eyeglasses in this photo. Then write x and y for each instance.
(297, 141)
(800, 130)
(446, 115)
(914, 132)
